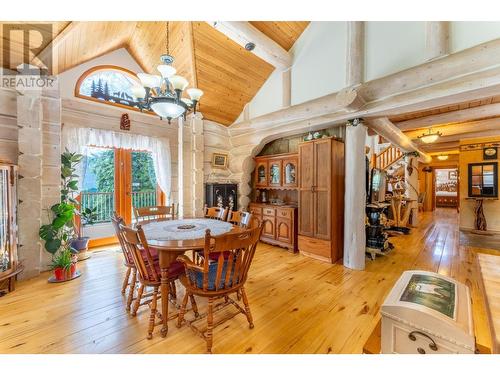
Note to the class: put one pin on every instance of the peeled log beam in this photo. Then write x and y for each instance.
(347, 99)
(437, 39)
(471, 60)
(243, 32)
(384, 127)
(462, 115)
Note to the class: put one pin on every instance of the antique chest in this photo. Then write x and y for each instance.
(427, 313)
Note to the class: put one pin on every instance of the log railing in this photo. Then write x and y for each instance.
(387, 157)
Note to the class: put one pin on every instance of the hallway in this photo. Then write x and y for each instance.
(300, 305)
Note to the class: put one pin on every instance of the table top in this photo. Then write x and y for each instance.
(165, 235)
(489, 266)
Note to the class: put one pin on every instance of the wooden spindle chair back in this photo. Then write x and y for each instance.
(240, 218)
(232, 269)
(217, 213)
(137, 245)
(117, 221)
(154, 213)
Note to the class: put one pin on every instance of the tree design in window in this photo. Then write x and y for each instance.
(109, 85)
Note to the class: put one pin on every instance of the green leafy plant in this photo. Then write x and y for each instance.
(88, 216)
(61, 229)
(62, 260)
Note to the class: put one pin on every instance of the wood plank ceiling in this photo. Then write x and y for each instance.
(229, 75)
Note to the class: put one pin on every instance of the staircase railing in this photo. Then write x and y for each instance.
(387, 157)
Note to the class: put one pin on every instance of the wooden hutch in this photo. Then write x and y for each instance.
(9, 265)
(275, 201)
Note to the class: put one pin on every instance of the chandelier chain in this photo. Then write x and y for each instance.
(168, 50)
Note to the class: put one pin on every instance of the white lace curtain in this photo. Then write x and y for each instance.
(79, 139)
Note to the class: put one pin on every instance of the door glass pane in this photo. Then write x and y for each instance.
(275, 173)
(99, 182)
(476, 170)
(144, 184)
(289, 173)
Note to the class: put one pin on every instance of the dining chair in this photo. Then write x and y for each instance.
(154, 213)
(217, 213)
(217, 280)
(148, 271)
(131, 274)
(240, 218)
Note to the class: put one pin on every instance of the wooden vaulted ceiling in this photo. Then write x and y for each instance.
(228, 74)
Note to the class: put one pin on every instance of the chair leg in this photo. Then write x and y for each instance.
(247, 308)
(210, 325)
(194, 306)
(182, 310)
(173, 290)
(131, 289)
(152, 316)
(125, 280)
(138, 300)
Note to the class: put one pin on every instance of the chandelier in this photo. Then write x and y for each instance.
(430, 137)
(162, 93)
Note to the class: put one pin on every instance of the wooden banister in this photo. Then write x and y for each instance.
(387, 157)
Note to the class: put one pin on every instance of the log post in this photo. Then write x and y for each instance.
(287, 88)
(355, 197)
(437, 39)
(355, 56)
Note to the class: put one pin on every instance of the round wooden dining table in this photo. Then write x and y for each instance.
(169, 249)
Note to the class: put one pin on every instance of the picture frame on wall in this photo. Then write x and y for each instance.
(490, 153)
(219, 160)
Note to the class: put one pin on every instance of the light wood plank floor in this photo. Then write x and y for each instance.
(299, 305)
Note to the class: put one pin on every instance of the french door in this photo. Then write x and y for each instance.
(116, 179)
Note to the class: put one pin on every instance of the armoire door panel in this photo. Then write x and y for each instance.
(306, 162)
(306, 212)
(322, 188)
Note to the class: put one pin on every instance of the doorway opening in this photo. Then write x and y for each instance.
(446, 187)
(116, 179)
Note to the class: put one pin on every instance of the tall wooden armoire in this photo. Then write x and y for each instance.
(321, 199)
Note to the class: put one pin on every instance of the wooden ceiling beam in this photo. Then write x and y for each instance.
(463, 115)
(243, 32)
(491, 124)
(384, 127)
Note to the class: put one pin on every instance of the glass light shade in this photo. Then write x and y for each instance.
(167, 109)
(166, 71)
(149, 80)
(195, 94)
(138, 91)
(429, 138)
(442, 157)
(178, 82)
(188, 102)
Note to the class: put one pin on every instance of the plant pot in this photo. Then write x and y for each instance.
(62, 274)
(80, 243)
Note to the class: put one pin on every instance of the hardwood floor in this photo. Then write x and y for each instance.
(299, 305)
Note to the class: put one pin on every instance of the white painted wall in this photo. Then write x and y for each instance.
(319, 61)
(120, 57)
(319, 57)
(467, 34)
(393, 46)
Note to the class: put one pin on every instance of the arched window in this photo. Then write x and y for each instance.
(109, 84)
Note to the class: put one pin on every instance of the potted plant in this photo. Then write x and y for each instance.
(64, 265)
(88, 216)
(60, 231)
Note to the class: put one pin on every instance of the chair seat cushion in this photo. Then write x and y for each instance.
(174, 271)
(197, 277)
